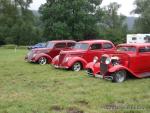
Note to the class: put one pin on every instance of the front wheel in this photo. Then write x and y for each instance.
(119, 76)
(42, 61)
(77, 66)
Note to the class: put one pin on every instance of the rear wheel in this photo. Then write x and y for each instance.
(119, 76)
(42, 61)
(77, 66)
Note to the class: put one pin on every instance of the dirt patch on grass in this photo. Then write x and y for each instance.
(74, 110)
(56, 82)
(56, 108)
(82, 102)
(112, 106)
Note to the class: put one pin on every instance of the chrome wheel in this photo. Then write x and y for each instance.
(42, 61)
(119, 76)
(77, 66)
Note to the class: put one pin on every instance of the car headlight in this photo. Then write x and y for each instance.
(34, 55)
(95, 59)
(108, 60)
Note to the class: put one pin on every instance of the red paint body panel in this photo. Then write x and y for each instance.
(94, 67)
(49, 53)
(83, 56)
(136, 62)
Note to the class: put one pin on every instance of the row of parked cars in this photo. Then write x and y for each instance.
(100, 58)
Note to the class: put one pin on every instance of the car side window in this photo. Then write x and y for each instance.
(70, 44)
(107, 46)
(60, 45)
(96, 46)
(144, 49)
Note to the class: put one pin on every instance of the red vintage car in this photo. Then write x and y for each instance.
(128, 60)
(52, 49)
(82, 53)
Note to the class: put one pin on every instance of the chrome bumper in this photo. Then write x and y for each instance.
(62, 67)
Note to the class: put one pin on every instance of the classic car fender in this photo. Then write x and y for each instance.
(120, 67)
(72, 60)
(55, 60)
(90, 65)
(95, 67)
(43, 55)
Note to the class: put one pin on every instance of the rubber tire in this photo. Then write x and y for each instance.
(116, 75)
(72, 68)
(40, 61)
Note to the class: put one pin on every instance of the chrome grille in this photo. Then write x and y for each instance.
(61, 58)
(103, 66)
(103, 59)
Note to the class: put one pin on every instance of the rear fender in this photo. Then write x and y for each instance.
(77, 59)
(120, 67)
(43, 55)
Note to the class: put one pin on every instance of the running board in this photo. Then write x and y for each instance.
(143, 75)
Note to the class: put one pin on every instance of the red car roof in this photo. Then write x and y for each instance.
(135, 44)
(56, 41)
(94, 41)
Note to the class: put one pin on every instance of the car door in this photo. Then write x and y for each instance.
(144, 59)
(108, 48)
(70, 45)
(94, 50)
(57, 48)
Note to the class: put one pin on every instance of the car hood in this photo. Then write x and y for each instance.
(129, 54)
(124, 56)
(73, 52)
(41, 50)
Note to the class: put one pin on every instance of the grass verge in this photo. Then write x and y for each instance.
(31, 88)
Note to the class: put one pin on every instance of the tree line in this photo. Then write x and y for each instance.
(67, 19)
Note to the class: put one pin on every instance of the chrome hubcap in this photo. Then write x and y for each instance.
(77, 67)
(42, 61)
(120, 76)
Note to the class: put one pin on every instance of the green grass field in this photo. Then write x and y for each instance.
(31, 88)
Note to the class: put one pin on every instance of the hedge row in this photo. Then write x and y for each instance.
(12, 46)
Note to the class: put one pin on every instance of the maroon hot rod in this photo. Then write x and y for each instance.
(128, 60)
(82, 53)
(52, 49)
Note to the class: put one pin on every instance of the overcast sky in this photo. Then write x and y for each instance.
(126, 5)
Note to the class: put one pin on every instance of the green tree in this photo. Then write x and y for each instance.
(113, 26)
(17, 23)
(142, 24)
(70, 19)
(7, 19)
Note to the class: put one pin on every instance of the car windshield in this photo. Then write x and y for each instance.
(126, 48)
(49, 45)
(41, 44)
(82, 46)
